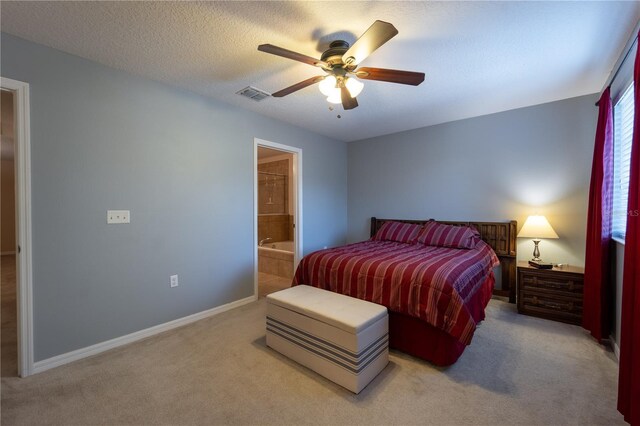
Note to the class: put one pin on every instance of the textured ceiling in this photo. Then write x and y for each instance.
(479, 57)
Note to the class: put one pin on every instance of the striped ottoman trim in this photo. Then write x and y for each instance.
(355, 362)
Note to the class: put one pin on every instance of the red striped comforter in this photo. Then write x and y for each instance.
(427, 282)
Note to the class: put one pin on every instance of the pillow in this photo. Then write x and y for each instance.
(398, 231)
(442, 235)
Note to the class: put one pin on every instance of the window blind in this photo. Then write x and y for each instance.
(623, 113)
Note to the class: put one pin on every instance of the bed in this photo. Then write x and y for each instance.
(436, 292)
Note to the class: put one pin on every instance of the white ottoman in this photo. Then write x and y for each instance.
(342, 338)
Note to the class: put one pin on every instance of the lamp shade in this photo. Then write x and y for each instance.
(537, 227)
(335, 98)
(354, 86)
(328, 86)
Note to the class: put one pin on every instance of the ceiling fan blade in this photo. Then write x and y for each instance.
(378, 34)
(392, 76)
(347, 101)
(298, 86)
(289, 54)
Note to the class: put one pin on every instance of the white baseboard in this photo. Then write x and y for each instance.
(616, 348)
(68, 357)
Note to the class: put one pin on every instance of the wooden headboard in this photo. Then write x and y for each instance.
(501, 236)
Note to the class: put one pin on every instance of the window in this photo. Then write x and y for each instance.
(622, 134)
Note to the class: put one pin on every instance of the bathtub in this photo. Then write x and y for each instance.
(280, 245)
(276, 259)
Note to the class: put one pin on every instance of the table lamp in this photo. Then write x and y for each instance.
(537, 227)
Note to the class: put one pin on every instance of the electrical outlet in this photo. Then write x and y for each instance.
(173, 281)
(118, 216)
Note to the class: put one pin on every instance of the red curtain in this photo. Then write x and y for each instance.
(629, 374)
(597, 277)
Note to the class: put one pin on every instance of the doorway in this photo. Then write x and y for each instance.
(277, 209)
(16, 295)
(8, 244)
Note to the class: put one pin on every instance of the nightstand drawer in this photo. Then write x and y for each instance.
(554, 294)
(568, 309)
(560, 283)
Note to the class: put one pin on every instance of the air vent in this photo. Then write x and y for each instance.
(253, 93)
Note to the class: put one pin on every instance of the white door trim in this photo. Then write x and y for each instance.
(297, 195)
(24, 273)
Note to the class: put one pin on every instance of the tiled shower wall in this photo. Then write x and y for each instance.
(274, 220)
(273, 187)
(277, 227)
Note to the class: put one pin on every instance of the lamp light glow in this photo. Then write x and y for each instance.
(537, 227)
(328, 86)
(354, 87)
(335, 97)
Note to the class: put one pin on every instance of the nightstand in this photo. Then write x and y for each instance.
(554, 294)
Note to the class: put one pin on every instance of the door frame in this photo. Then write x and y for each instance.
(297, 200)
(24, 271)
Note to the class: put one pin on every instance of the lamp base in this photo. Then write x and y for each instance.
(536, 251)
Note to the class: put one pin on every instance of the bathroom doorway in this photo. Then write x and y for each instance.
(277, 212)
(8, 293)
(16, 335)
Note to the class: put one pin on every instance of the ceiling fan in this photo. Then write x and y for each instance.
(340, 62)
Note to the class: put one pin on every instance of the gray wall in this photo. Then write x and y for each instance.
(496, 167)
(183, 164)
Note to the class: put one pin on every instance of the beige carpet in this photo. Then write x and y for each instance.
(518, 370)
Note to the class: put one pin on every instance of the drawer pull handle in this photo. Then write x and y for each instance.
(570, 285)
(552, 284)
(553, 305)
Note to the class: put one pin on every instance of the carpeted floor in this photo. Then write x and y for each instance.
(518, 370)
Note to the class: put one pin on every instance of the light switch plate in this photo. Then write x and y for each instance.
(118, 216)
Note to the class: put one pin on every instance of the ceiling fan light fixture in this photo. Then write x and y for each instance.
(354, 87)
(328, 86)
(335, 97)
(340, 62)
